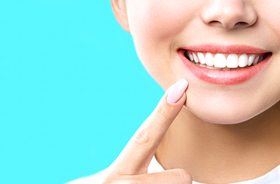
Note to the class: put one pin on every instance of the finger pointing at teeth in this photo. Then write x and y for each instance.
(139, 151)
(131, 165)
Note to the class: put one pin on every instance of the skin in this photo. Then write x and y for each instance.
(224, 133)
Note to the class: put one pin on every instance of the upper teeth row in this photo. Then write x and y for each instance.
(220, 60)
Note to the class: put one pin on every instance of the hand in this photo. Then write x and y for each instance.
(131, 165)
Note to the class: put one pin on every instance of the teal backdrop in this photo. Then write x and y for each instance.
(72, 90)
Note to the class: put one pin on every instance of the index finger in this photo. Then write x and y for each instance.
(137, 154)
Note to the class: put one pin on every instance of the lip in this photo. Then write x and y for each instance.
(237, 49)
(222, 76)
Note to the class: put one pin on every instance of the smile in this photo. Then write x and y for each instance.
(226, 65)
(220, 60)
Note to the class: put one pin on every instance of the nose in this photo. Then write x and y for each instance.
(229, 14)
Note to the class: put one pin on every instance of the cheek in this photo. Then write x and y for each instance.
(270, 20)
(154, 25)
(157, 20)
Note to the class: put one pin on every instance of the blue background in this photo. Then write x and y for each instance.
(72, 89)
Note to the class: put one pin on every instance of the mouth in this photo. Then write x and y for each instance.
(225, 65)
(222, 61)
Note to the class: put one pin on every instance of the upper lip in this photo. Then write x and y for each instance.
(225, 49)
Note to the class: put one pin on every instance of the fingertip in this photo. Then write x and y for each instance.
(176, 92)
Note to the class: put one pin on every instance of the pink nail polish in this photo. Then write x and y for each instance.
(176, 91)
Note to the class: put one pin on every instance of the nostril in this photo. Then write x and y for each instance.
(241, 24)
(237, 25)
(233, 26)
(214, 22)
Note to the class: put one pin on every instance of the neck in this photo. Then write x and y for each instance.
(215, 153)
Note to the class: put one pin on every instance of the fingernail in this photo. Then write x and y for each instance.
(176, 91)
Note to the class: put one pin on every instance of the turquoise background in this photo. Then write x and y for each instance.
(72, 89)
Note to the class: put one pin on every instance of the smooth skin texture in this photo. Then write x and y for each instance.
(224, 134)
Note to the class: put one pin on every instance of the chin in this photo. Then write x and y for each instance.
(216, 118)
(222, 112)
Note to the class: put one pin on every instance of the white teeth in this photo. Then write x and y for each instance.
(195, 58)
(209, 59)
(232, 61)
(220, 60)
(251, 59)
(256, 60)
(243, 60)
(190, 56)
(201, 58)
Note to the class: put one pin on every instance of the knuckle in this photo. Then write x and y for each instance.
(142, 136)
(184, 176)
(162, 114)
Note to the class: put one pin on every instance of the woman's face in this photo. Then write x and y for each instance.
(163, 30)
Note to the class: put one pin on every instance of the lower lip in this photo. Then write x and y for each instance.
(224, 77)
